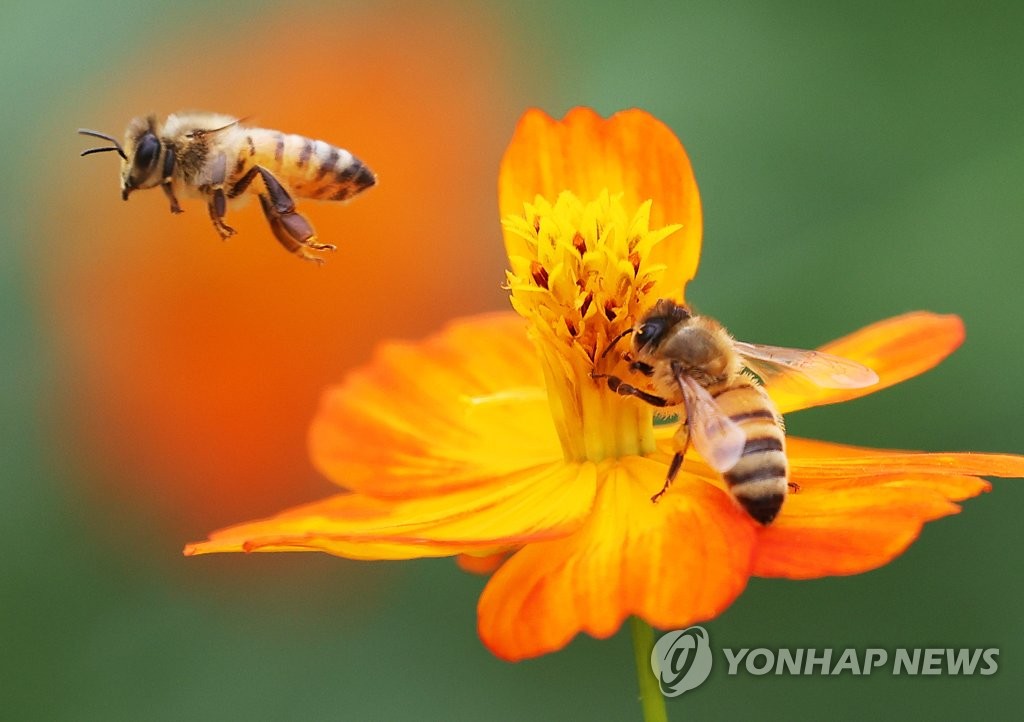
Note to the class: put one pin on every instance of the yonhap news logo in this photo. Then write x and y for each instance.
(681, 661)
(830, 662)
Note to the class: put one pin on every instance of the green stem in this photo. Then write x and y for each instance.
(651, 698)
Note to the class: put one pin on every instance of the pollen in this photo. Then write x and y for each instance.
(585, 276)
(588, 269)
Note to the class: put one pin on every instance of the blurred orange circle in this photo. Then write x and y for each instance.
(192, 367)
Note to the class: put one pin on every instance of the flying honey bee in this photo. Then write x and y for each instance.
(215, 157)
(692, 361)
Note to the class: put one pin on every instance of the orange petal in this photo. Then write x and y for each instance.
(816, 465)
(850, 530)
(814, 460)
(682, 560)
(859, 508)
(464, 405)
(631, 153)
(952, 487)
(485, 564)
(540, 503)
(897, 349)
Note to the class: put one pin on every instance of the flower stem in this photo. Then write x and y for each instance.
(651, 699)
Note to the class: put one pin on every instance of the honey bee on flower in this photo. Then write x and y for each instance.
(693, 361)
(217, 158)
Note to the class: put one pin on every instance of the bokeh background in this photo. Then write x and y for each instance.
(856, 161)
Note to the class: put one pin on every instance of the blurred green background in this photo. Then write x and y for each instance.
(855, 161)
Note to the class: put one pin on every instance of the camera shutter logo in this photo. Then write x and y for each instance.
(681, 660)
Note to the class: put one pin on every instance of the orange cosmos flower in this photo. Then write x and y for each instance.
(491, 440)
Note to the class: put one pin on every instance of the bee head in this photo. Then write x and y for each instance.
(652, 328)
(140, 166)
(139, 163)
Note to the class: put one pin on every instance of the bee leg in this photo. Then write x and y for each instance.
(166, 180)
(682, 435)
(242, 184)
(644, 368)
(169, 192)
(639, 366)
(218, 204)
(218, 207)
(291, 228)
(284, 235)
(623, 389)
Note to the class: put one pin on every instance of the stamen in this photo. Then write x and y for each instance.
(540, 274)
(584, 278)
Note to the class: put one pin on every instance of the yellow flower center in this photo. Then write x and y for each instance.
(585, 279)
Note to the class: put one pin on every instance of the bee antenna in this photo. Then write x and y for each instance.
(104, 136)
(104, 149)
(616, 340)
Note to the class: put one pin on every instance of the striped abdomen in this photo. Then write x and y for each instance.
(307, 168)
(760, 479)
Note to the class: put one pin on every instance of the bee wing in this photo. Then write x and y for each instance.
(719, 439)
(820, 368)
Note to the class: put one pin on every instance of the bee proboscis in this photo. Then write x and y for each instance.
(692, 361)
(217, 158)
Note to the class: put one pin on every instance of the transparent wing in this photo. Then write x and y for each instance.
(717, 438)
(821, 369)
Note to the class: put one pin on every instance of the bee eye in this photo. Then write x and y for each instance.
(649, 333)
(147, 151)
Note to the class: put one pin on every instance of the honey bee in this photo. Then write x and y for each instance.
(215, 157)
(692, 361)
